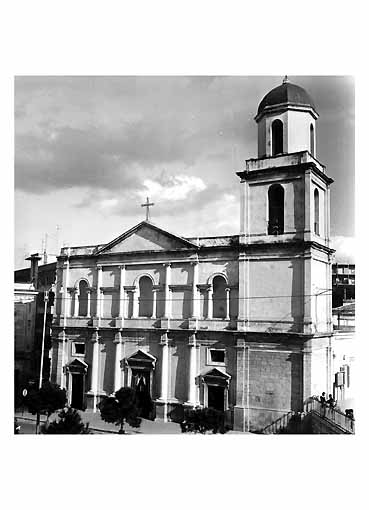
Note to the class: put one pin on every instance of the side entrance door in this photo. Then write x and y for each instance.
(77, 391)
(141, 383)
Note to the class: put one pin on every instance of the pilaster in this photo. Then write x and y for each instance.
(193, 389)
(117, 361)
(167, 293)
(95, 368)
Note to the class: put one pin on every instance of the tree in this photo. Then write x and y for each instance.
(70, 422)
(45, 400)
(121, 408)
(203, 421)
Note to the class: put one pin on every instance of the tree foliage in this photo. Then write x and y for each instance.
(121, 408)
(203, 421)
(46, 400)
(70, 422)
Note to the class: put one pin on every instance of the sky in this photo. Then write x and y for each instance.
(89, 150)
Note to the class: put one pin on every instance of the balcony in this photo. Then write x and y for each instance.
(148, 323)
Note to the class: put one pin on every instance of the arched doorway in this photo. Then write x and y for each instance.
(276, 209)
(277, 137)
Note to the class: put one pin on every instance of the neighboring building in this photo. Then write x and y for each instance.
(343, 283)
(344, 355)
(25, 303)
(241, 323)
(29, 306)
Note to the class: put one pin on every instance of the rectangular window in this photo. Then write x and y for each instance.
(78, 349)
(216, 357)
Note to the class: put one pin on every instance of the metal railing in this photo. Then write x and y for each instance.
(335, 416)
(279, 424)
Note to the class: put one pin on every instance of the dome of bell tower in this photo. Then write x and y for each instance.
(286, 121)
(285, 94)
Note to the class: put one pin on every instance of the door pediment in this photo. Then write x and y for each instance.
(215, 377)
(141, 359)
(77, 366)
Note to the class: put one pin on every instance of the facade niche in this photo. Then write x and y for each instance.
(276, 210)
(145, 300)
(219, 297)
(83, 299)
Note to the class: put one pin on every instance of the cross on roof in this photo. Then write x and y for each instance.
(147, 204)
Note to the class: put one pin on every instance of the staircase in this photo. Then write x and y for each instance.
(316, 419)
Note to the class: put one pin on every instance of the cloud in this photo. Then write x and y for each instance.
(105, 133)
(176, 187)
(345, 247)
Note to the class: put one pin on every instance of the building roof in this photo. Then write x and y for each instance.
(286, 93)
(346, 308)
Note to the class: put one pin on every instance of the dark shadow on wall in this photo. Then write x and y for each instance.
(108, 377)
(299, 209)
(296, 381)
(182, 353)
(297, 295)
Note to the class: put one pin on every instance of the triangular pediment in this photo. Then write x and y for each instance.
(216, 377)
(141, 359)
(77, 366)
(146, 237)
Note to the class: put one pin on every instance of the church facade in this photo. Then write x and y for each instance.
(241, 323)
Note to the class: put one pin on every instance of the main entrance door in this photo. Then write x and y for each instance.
(77, 391)
(216, 397)
(141, 383)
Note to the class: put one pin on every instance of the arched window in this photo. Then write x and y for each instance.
(312, 141)
(82, 298)
(277, 137)
(145, 299)
(316, 212)
(276, 209)
(219, 297)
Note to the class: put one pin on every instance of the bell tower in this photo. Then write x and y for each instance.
(285, 222)
(285, 283)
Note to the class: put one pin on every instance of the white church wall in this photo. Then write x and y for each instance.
(275, 290)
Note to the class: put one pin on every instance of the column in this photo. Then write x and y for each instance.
(135, 303)
(121, 291)
(210, 302)
(228, 290)
(88, 302)
(164, 368)
(154, 296)
(167, 295)
(99, 294)
(95, 368)
(62, 374)
(118, 357)
(195, 292)
(328, 213)
(65, 292)
(193, 391)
